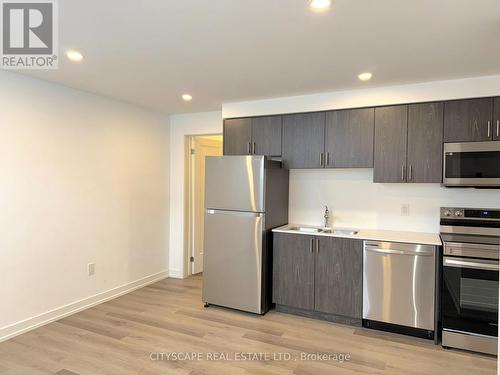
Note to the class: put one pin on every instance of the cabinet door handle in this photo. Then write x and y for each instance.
(489, 129)
(410, 173)
(402, 172)
(321, 157)
(253, 150)
(328, 158)
(498, 128)
(250, 148)
(311, 245)
(317, 246)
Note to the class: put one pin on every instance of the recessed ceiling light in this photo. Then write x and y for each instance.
(320, 5)
(187, 97)
(74, 56)
(365, 76)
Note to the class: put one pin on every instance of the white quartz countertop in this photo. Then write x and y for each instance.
(371, 234)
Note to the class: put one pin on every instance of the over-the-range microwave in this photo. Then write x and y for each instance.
(472, 164)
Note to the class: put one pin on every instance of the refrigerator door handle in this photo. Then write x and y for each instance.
(211, 211)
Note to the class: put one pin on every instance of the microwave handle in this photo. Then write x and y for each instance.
(465, 263)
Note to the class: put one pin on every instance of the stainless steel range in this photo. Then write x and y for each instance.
(469, 300)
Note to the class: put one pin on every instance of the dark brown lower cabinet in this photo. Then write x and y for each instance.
(338, 276)
(318, 274)
(293, 270)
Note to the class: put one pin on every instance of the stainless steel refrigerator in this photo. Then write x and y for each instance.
(245, 197)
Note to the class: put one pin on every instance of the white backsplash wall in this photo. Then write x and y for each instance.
(355, 201)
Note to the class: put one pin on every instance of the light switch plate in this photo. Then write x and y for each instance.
(91, 269)
(405, 209)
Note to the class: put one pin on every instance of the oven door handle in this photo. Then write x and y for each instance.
(466, 245)
(466, 263)
(471, 250)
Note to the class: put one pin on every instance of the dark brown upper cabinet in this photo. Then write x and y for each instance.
(391, 129)
(253, 136)
(266, 135)
(496, 119)
(425, 142)
(409, 143)
(304, 140)
(349, 138)
(468, 120)
(237, 136)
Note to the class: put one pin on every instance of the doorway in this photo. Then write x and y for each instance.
(198, 148)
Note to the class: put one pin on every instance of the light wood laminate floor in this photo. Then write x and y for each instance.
(118, 337)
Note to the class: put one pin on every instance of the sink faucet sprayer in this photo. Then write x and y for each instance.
(327, 216)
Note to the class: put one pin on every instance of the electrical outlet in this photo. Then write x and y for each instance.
(405, 210)
(91, 269)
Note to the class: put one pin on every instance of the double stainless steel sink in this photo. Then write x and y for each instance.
(312, 230)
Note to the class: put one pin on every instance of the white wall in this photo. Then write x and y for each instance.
(180, 127)
(355, 201)
(83, 179)
(375, 96)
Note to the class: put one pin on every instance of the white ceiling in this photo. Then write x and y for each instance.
(149, 52)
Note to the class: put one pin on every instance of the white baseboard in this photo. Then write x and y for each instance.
(176, 274)
(29, 324)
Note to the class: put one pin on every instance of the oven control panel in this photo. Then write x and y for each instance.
(470, 213)
(450, 212)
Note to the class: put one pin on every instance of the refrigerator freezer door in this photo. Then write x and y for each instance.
(232, 271)
(234, 183)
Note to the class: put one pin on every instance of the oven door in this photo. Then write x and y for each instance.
(470, 295)
(471, 164)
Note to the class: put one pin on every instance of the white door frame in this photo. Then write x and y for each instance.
(189, 199)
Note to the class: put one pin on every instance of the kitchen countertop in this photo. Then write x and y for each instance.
(372, 234)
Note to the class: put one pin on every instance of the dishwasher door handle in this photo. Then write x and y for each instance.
(425, 253)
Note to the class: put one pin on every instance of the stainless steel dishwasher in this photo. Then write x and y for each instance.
(399, 287)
